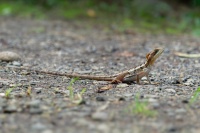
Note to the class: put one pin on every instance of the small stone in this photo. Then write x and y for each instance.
(67, 92)
(38, 90)
(38, 126)
(103, 128)
(189, 82)
(155, 105)
(128, 95)
(110, 48)
(91, 49)
(186, 78)
(16, 63)
(47, 131)
(151, 96)
(5, 81)
(170, 90)
(175, 80)
(172, 129)
(100, 99)
(34, 82)
(122, 85)
(2, 94)
(157, 89)
(100, 116)
(179, 118)
(93, 60)
(81, 122)
(57, 90)
(10, 109)
(181, 110)
(171, 114)
(9, 56)
(35, 111)
(152, 100)
(34, 103)
(84, 72)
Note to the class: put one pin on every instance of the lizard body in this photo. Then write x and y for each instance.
(134, 74)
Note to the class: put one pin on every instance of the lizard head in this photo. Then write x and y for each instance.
(152, 56)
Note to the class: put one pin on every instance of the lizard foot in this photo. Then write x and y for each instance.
(116, 81)
(105, 88)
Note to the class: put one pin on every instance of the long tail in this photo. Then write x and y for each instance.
(91, 77)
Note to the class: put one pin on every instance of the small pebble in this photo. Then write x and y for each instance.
(179, 118)
(172, 129)
(170, 90)
(38, 90)
(35, 111)
(80, 122)
(104, 128)
(100, 99)
(189, 82)
(128, 95)
(181, 110)
(16, 63)
(155, 105)
(47, 131)
(122, 85)
(38, 126)
(175, 80)
(34, 103)
(100, 116)
(152, 100)
(5, 81)
(9, 56)
(10, 109)
(2, 94)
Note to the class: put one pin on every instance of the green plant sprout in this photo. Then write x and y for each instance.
(8, 92)
(195, 96)
(141, 108)
(78, 97)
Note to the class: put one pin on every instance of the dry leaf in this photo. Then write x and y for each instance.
(126, 54)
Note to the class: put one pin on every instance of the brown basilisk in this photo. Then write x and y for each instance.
(134, 74)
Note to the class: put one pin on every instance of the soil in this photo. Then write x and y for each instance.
(44, 103)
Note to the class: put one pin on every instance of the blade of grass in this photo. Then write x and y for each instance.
(195, 96)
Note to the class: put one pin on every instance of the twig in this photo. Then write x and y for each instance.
(185, 55)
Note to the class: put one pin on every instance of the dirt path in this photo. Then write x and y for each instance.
(41, 103)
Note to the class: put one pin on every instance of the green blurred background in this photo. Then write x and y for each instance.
(144, 16)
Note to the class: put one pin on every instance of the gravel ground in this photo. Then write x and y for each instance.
(44, 103)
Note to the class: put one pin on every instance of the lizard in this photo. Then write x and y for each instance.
(127, 76)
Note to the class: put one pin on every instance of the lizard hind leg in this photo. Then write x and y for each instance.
(138, 79)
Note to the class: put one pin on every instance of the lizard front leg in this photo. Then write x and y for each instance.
(120, 78)
(138, 79)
